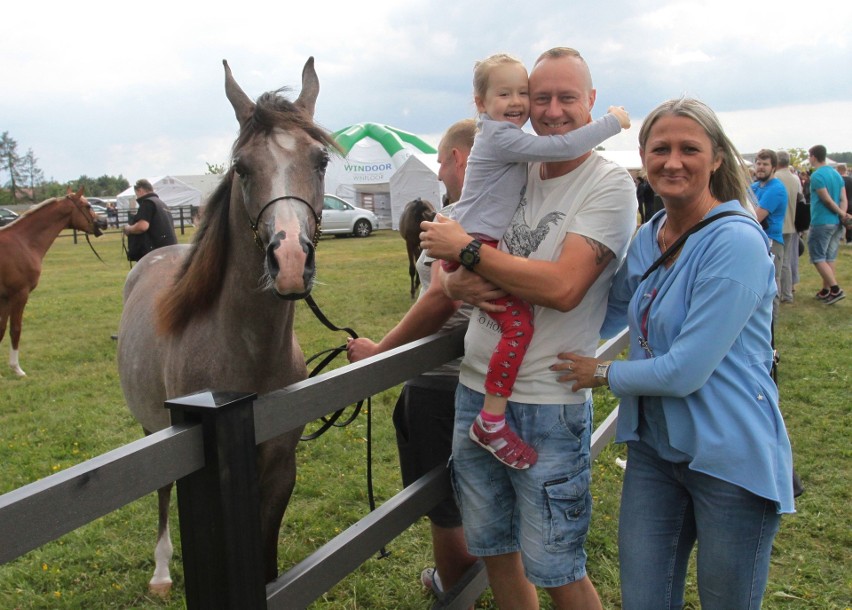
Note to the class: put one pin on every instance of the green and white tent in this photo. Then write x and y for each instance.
(383, 168)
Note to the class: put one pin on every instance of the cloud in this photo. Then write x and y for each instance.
(144, 95)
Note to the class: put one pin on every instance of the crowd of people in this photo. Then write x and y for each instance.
(698, 286)
(788, 202)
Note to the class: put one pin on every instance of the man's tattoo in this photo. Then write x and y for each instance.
(602, 254)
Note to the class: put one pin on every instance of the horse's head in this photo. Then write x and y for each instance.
(423, 210)
(83, 217)
(279, 162)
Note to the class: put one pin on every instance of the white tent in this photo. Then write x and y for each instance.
(412, 180)
(206, 183)
(172, 190)
(374, 155)
(628, 159)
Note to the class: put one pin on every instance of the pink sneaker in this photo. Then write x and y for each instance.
(513, 452)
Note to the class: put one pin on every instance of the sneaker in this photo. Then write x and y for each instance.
(833, 297)
(822, 295)
(432, 582)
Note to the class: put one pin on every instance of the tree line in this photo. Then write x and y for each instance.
(24, 180)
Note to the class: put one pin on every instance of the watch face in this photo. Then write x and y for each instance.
(469, 255)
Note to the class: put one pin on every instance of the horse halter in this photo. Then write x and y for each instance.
(95, 230)
(88, 217)
(317, 220)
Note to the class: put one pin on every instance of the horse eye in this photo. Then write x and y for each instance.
(323, 163)
(241, 168)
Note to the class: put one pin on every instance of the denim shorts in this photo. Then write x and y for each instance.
(543, 511)
(823, 242)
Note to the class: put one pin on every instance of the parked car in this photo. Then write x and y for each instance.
(6, 216)
(99, 210)
(99, 207)
(342, 218)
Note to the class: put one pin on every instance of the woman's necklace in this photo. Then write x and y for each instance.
(666, 228)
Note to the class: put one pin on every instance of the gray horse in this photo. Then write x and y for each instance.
(219, 313)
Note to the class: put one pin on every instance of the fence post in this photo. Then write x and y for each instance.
(219, 505)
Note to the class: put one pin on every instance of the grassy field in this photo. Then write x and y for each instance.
(70, 408)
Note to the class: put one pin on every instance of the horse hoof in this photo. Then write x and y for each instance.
(19, 372)
(160, 589)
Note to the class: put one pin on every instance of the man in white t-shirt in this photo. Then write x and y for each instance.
(571, 229)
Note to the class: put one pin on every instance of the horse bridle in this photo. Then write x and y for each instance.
(317, 220)
(92, 224)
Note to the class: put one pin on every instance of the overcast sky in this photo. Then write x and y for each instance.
(137, 89)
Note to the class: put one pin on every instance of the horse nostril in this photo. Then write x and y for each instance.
(271, 262)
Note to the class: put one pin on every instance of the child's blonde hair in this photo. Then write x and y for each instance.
(482, 70)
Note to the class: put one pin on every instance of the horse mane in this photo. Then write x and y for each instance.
(37, 206)
(199, 280)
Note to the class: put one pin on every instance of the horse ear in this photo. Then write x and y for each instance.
(310, 88)
(242, 104)
(80, 192)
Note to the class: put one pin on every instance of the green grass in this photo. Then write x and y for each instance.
(70, 408)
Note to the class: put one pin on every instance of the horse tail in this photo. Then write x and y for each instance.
(199, 281)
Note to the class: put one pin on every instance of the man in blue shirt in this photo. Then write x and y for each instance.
(828, 209)
(771, 207)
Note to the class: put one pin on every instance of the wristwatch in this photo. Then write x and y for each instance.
(469, 255)
(602, 371)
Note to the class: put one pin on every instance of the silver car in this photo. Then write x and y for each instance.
(6, 216)
(342, 218)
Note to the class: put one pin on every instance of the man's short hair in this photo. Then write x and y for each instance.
(841, 168)
(559, 52)
(783, 158)
(765, 154)
(143, 185)
(459, 135)
(819, 152)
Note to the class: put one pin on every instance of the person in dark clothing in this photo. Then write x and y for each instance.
(152, 218)
(649, 203)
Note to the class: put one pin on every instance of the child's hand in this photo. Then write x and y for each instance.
(622, 116)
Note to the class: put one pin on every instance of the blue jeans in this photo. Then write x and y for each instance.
(665, 509)
(543, 511)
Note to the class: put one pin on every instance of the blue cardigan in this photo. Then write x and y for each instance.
(709, 328)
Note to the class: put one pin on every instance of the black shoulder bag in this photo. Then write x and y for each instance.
(675, 247)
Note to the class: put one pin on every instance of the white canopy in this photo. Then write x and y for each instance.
(173, 191)
(412, 180)
(628, 159)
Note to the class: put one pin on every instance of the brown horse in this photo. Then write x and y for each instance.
(23, 244)
(219, 313)
(414, 213)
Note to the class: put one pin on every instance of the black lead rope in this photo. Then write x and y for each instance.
(331, 354)
(328, 422)
(88, 241)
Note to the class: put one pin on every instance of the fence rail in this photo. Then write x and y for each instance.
(185, 453)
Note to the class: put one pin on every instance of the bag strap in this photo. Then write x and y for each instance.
(675, 247)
